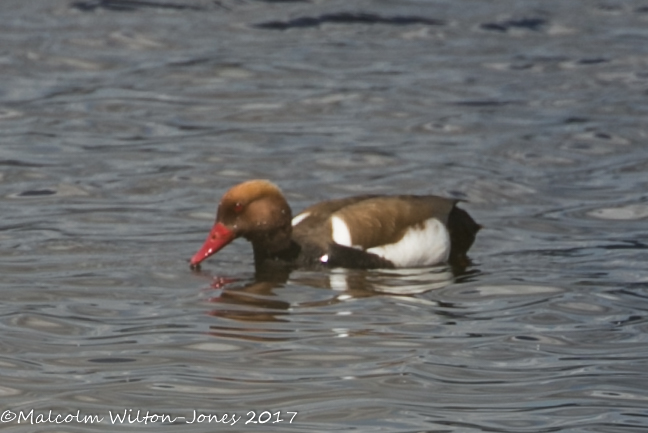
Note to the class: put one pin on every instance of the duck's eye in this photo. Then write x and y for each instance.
(238, 207)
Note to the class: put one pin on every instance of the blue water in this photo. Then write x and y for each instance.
(123, 122)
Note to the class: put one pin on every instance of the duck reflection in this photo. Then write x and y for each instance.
(256, 300)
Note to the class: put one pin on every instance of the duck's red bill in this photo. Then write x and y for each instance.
(218, 237)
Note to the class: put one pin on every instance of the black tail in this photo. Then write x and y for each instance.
(463, 230)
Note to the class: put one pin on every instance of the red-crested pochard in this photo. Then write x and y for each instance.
(369, 231)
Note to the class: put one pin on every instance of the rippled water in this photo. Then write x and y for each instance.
(122, 123)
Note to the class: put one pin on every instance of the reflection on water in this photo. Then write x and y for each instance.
(393, 281)
(257, 300)
(125, 124)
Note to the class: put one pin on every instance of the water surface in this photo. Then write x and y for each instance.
(122, 123)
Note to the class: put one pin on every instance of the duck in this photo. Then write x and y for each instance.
(363, 232)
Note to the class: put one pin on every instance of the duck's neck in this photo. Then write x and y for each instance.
(287, 254)
(274, 245)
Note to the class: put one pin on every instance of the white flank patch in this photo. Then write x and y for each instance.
(341, 233)
(424, 246)
(299, 218)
